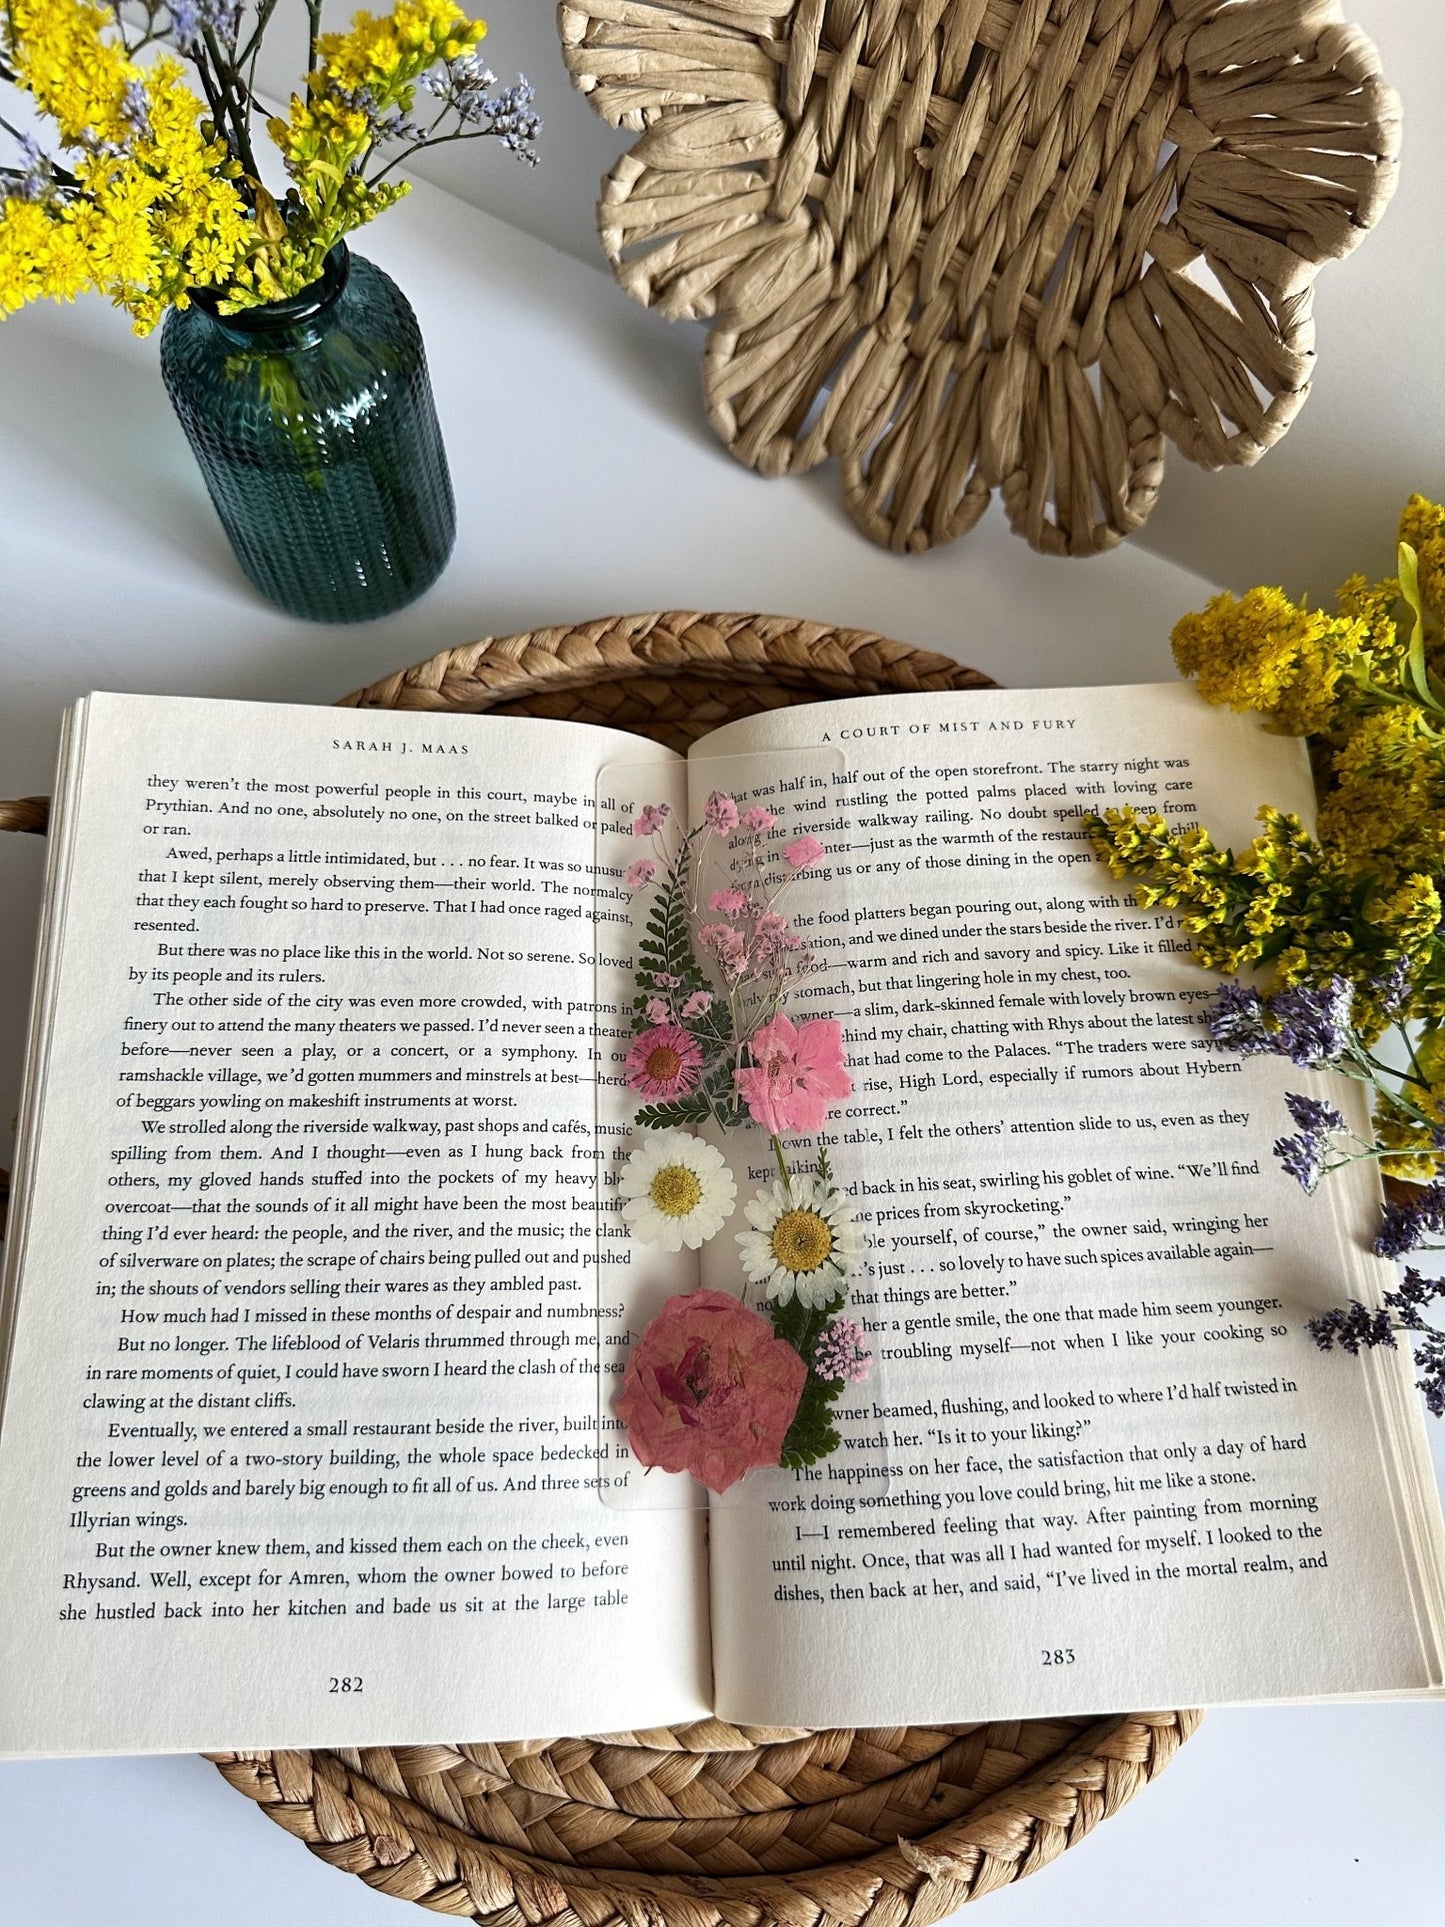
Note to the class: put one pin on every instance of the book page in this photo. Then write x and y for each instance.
(302, 1440)
(1118, 1472)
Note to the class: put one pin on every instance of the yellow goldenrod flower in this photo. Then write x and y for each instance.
(153, 201)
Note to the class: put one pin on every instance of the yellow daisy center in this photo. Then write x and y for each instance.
(675, 1190)
(801, 1241)
(663, 1064)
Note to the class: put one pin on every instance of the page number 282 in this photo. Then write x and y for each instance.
(1058, 1656)
(345, 1683)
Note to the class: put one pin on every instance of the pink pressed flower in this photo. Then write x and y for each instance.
(732, 903)
(799, 1070)
(710, 1389)
(663, 1063)
(658, 1011)
(664, 980)
(643, 871)
(770, 935)
(727, 945)
(698, 1004)
(840, 1352)
(806, 850)
(757, 819)
(650, 819)
(720, 813)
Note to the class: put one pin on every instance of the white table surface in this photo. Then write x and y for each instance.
(587, 484)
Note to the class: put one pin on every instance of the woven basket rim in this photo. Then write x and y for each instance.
(942, 1858)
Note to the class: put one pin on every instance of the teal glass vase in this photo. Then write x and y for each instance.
(313, 423)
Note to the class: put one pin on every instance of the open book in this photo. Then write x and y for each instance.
(308, 1432)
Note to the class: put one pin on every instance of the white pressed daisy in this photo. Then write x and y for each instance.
(805, 1242)
(676, 1190)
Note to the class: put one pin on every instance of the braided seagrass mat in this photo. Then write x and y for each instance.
(706, 1825)
(967, 245)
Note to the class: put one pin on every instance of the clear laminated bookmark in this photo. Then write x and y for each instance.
(738, 1342)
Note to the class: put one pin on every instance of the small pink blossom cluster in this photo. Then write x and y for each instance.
(648, 821)
(755, 947)
(840, 1352)
(666, 1009)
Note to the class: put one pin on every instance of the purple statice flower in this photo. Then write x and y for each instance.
(466, 86)
(1303, 1158)
(1313, 1115)
(468, 78)
(1410, 1297)
(185, 24)
(1391, 987)
(1405, 1227)
(1355, 1327)
(516, 120)
(840, 1352)
(1352, 1327)
(135, 107)
(1236, 1021)
(387, 124)
(1429, 1356)
(29, 181)
(1312, 1026)
(191, 18)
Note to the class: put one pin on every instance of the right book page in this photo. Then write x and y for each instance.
(1118, 1473)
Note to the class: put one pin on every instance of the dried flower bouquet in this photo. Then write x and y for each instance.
(1347, 922)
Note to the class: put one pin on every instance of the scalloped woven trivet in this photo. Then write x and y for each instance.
(708, 1825)
(966, 245)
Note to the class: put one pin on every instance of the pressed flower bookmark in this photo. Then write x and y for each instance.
(713, 1387)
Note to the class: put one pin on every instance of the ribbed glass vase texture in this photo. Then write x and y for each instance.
(313, 423)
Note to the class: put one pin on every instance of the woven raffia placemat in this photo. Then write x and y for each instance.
(974, 245)
(708, 1825)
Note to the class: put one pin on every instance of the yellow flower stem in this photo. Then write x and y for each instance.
(236, 110)
(313, 35)
(253, 45)
(441, 140)
(1410, 589)
(782, 1163)
(208, 88)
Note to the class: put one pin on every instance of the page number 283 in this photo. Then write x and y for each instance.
(1058, 1656)
(345, 1683)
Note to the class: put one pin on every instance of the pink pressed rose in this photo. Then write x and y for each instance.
(643, 871)
(757, 819)
(800, 1069)
(709, 1389)
(720, 813)
(698, 1004)
(650, 819)
(658, 1011)
(663, 1063)
(806, 850)
(732, 903)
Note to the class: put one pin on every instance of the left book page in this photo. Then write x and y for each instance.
(300, 1434)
